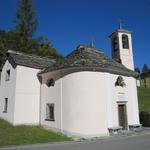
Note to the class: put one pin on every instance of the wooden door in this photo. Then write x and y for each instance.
(122, 115)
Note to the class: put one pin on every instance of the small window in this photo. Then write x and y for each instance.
(115, 44)
(0, 77)
(50, 112)
(125, 41)
(7, 75)
(120, 82)
(50, 82)
(6, 105)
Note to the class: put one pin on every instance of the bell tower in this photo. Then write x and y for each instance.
(121, 43)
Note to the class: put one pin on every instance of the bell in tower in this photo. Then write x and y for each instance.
(121, 42)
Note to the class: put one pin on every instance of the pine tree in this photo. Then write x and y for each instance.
(21, 38)
(145, 68)
(26, 22)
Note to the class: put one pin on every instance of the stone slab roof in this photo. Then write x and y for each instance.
(90, 59)
(32, 61)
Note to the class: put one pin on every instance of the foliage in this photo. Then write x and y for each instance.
(39, 46)
(26, 22)
(144, 99)
(145, 69)
(45, 48)
(6, 42)
(20, 38)
(137, 70)
(21, 135)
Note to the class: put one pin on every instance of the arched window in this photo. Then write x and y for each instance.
(115, 44)
(125, 41)
(50, 82)
(120, 82)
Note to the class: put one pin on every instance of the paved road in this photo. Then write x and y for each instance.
(140, 142)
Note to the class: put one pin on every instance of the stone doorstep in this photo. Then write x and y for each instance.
(135, 127)
(119, 130)
(115, 130)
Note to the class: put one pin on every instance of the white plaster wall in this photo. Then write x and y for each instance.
(133, 111)
(83, 110)
(86, 103)
(138, 83)
(27, 100)
(51, 95)
(7, 90)
(130, 96)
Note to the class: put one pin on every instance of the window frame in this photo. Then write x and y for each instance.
(0, 76)
(5, 105)
(7, 77)
(125, 41)
(115, 44)
(50, 82)
(50, 112)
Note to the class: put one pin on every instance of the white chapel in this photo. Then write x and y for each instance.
(85, 94)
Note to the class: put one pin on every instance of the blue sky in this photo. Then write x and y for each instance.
(68, 23)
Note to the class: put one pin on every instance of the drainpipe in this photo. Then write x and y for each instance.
(61, 111)
(40, 102)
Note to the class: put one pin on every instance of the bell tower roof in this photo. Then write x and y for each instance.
(120, 29)
(123, 30)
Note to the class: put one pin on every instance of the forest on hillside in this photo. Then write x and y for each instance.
(21, 36)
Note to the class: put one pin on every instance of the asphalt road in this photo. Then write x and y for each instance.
(140, 142)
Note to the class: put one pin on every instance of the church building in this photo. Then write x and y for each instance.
(85, 94)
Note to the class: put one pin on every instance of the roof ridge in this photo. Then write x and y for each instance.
(96, 50)
(86, 49)
(29, 55)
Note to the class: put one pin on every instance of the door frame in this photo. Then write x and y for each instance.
(125, 114)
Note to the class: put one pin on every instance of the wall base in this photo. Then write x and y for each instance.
(75, 135)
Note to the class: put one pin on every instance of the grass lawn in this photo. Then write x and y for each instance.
(22, 135)
(144, 99)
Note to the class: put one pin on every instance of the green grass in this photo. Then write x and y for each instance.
(144, 99)
(22, 135)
